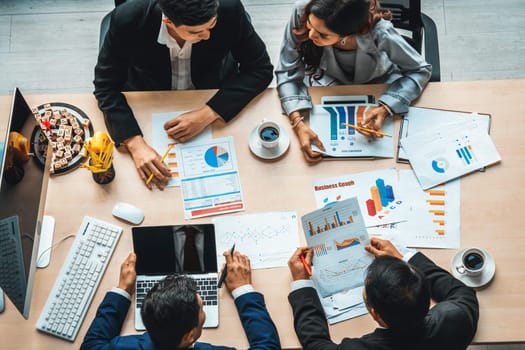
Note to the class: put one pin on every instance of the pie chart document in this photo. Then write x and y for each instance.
(210, 181)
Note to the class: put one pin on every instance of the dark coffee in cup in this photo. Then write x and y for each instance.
(473, 261)
(269, 133)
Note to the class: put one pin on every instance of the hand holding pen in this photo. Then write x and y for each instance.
(237, 270)
(300, 263)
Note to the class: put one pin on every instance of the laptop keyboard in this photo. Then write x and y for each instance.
(206, 287)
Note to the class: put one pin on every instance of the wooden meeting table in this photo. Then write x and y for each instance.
(490, 207)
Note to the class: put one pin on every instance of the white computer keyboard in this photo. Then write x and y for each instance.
(68, 302)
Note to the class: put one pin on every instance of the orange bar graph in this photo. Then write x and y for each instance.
(437, 212)
(440, 232)
(435, 201)
(336, 224)
(311, 227)
(326, 225)
(436, 192)
(439, 222)
(350, 219)
(376, 198)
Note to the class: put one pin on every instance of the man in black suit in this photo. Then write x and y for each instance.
(176, 45)
(397, 294)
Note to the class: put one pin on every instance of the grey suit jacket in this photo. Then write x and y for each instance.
(382, 56)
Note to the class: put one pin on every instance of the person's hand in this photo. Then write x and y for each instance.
(128, 274)
(374, 118)
(307, 137)
(380, 247)
(188, 125)
(296, 265)
(239, 271)
(147, 162)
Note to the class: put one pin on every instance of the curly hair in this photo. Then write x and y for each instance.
(189, 12)
(343, 17)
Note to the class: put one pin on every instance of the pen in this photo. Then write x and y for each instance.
(367, 130)
(225, 270)
(306, 267)
(161, 160)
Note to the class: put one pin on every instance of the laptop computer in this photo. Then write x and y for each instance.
(184, 249)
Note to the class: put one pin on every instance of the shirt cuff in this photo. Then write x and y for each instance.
(121, 292)
(244, 289)
(408, 256)
(299, 284)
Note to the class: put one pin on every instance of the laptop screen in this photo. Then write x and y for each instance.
(164, 250)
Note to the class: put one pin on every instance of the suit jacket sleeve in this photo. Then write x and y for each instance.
(257, 323)
(248, 51)
(111, 71)
(453, 320)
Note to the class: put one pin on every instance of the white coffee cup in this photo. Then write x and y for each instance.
(472, 262)
(269, 133)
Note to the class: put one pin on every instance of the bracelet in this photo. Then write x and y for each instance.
(296, 121)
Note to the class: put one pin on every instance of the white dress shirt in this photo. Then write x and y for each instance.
(180, 60)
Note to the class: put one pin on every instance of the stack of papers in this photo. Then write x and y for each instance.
(337, 235)
(449, 151)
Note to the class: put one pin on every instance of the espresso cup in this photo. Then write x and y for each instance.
(472, 262)
(269, 133)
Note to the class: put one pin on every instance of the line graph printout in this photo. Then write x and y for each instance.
(268, 239)
(160, 142)
(340, 260)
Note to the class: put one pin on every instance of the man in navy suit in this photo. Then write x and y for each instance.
(397, 295)
(177, 45)
(173, 314)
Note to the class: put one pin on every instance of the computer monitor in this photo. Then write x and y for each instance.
(23, 185)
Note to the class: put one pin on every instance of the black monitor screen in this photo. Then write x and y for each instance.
(23, 185)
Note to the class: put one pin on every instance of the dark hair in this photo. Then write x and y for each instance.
(343, 17)
(398, 292)
(189, 12)
(170, 310)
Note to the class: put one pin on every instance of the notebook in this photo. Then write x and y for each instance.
(186, 249)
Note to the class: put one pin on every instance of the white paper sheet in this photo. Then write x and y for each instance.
(161, 141)
(268, 239)
(210, 181)
(377, 192)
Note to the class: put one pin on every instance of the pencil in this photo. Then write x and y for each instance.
(161, 160)
(306, 267)
(225, 270)
(367, 130)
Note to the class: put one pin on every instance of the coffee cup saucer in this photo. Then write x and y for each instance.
(474, 281)
(269, 153)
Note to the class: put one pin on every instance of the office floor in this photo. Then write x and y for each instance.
(51, 46)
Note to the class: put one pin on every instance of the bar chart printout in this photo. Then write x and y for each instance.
(337, 234)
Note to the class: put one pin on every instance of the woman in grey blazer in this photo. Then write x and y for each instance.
(342, 42)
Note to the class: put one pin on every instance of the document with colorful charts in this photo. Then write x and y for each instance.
(337, 234)
(441, 155)
(161, 141)
(210, 181)
(256, 235)
(434, 214)
(377, 193)
(343, 141)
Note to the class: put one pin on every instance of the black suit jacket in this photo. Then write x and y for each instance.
(131, 59)
(449, 325)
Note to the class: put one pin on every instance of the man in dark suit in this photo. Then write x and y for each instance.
(177, 45)
(397, 294)
(173, 314)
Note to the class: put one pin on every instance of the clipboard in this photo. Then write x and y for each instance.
(422, 118)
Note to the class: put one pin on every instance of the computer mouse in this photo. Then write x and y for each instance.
(1, 300)
(128, 212)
